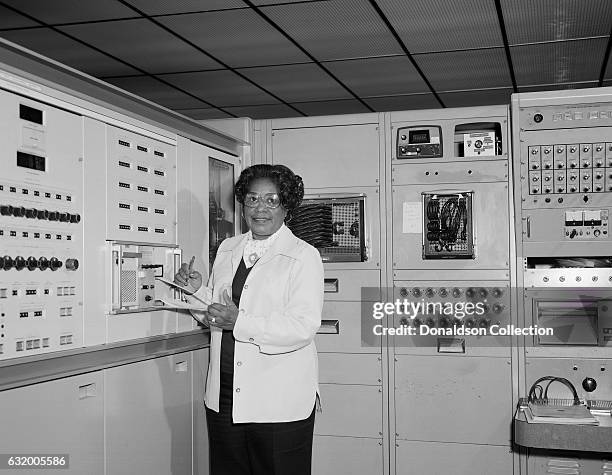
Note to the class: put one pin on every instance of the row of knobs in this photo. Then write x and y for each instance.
(560, 165)
(585, 149)
(456, 292)
(33, 213)
(31, 263)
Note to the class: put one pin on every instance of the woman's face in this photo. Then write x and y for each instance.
(262, 220)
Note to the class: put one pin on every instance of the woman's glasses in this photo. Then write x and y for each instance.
(270, 200)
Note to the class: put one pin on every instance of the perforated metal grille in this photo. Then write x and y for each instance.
(129, 286)
(335, 228)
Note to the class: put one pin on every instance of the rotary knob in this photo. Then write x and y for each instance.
(456, 292)
(32, 263)
(64, 217)
(403, 292)
(19, 212)
(7, 262)
(443, 292)
(483, 292)
(53, 216)
(404, 321)
(55, 263)
(469, 323)
(75, 218)
(430, 292)
(443, 322)
(43, 263)
(72, 264)
(430, 322)
(20, 263)
(6, 210)
(416, 292)
(497, 308)
(470, 292)
(31, 213)
(42, 214)
(497, 292)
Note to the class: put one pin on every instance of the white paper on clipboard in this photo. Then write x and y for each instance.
(412, 217)
(174, 304)
(205, 299)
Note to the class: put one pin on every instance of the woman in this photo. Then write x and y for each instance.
(262, 378)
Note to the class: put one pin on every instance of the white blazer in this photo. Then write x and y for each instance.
(275, 359)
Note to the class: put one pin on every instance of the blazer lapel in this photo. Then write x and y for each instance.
(284, 244)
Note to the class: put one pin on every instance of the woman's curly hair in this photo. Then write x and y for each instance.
(289, 185)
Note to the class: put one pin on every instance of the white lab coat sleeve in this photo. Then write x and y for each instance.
(201, 293)
(293, 327)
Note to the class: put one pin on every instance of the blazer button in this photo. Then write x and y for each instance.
(251, 339)
(246, 286)
(239, 363)
(237, 390)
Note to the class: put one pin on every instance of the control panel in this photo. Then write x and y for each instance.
(134, 269)
(587, 224)
(141, 188)
(570, 168)
(419, 142)
(41, 228)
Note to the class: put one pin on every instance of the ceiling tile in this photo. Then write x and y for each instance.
(59, 47)
(558, 62)
(163, 7)
(483, 97)
(608, 72)
(276, 2)
(458, 70)
(442, 25)
(550, 20)
(272, 111)
(203, 114)
(239, 38)
(400, 103)
(339, 29)
(386, 76)
(156, 91)
(66, 11)
(150, 47)
(10, 19)
(297, 82)
(556, 87)
(222, 88)
(350, 106)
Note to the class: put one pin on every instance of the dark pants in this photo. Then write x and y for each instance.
(277, 448)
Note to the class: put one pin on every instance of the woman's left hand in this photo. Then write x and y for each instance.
(223, 316)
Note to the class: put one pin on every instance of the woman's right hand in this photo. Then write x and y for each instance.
(187, 276)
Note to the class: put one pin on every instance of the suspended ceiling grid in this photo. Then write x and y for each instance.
(212, 59)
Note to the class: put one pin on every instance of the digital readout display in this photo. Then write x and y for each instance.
(34, 162)
(418, 136)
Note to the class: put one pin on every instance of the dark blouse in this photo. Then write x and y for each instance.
(228, 341)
